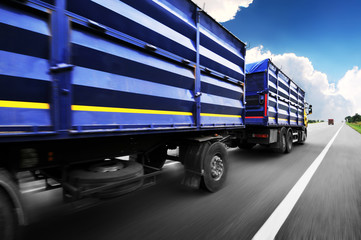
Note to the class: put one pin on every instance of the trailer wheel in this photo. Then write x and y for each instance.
(8, 223)
(282, 142)
(106, 172)
(215, 167)
(289, 141)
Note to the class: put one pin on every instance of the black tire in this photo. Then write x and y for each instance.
(302, 137)
(8, 219)
(215, 165)
(86, 178)
(289, 141)
(121, 190)
(282, 141)
(85, 175)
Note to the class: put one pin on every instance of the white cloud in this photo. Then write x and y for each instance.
(222, 10)
(350, 87)
(328, 100)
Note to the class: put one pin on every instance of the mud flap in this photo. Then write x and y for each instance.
(192, 179)
(192, 156)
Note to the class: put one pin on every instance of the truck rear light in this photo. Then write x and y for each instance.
(50, 156)
(257, 135)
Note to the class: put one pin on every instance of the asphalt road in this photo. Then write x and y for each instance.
(258, 180)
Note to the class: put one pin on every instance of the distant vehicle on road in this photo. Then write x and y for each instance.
(331, 121)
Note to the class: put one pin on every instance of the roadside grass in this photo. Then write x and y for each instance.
(356, 126)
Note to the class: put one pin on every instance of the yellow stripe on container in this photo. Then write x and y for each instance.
(219, 115)
(143, 111)
(18, 104)
(126, 110)
(282, 119)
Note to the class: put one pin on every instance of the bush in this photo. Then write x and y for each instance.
(314, 121)
(354, 118)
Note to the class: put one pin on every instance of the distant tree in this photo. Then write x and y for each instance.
(356, 118)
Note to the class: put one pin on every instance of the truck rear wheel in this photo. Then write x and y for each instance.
(8, 223)
(215, 167)
(302, 136)
(289, 141)
(282, 142)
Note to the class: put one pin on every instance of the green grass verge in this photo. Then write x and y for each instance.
(356, 126)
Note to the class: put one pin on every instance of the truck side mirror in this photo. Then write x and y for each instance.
(310, 110)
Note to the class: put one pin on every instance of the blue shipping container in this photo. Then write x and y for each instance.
(110, 66)
(272, 98)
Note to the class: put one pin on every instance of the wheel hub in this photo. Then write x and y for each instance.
(217, 168)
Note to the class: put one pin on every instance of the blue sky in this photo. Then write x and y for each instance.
(315, 42)
(326, 32)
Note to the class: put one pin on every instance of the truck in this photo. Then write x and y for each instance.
(85, 82)
(330, 121)
(275, 108)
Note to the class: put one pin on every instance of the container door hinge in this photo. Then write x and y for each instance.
(61, 67)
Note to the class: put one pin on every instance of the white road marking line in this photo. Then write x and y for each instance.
(273, 224)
